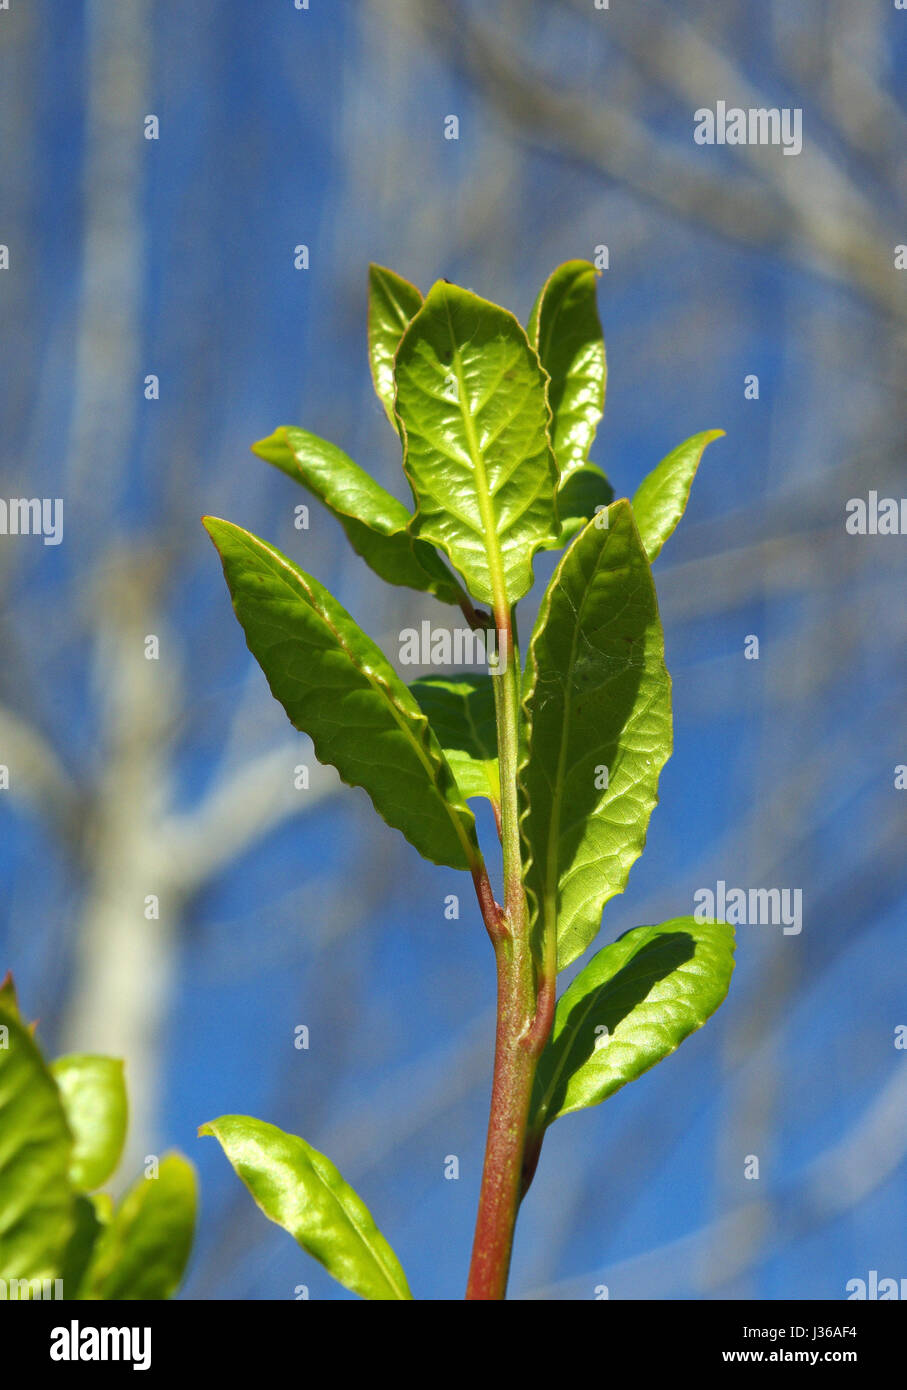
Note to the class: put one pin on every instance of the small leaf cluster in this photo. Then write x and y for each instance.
(62, 1131)
(496, 423)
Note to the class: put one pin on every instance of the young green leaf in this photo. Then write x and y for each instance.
(90, 1215)
(471, 402)
(460, 710)
(584, 492)
(632, 1005)
(302, 1191)
(662, 496)
(144, 1250)
(8, 999)
(392, 303)
(93, 1092)
(339, 688)
(36, 1200)
(566, 332)
(374, 521)
(598, 715)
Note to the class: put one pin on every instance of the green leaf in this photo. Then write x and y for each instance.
(661, 498)
(302, 1191)
(8, 1000)
(471, 402)
(392, 303)
(144, 1250)
(584, 492)
(90, 1216)
(598, 718)
(632, 1005)
(374, 521)
(36, 1215)
(93, 1092)
(339, 688)
(567, 334)
(460, 710)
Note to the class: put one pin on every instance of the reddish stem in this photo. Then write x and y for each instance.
(502, 1175)
(524, 1014)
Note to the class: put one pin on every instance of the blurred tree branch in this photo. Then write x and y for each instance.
(244, 806)
(806, 208)
(38, 777)
(840, 1177)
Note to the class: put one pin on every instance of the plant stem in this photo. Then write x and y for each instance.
(523, 1015)
(514, 1070)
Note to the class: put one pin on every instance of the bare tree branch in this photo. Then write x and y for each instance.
(811, 213)
(38, 777)
(838, 1179)
(239, 810)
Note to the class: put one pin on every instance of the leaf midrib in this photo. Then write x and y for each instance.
(390, 291)
(591, 999)
(486, 509)
(362, 1233)
(551, 875)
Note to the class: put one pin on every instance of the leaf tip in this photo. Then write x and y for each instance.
(264, 448)
(216, 527)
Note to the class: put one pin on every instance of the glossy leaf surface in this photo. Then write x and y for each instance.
(460, 710)
(471, 399)
(632, 1005)
(338, 687)
(144, 1250)
(392, 304)
(374, 521)
(567, 334)
(661, 498)
(302, 1191)
(93, 1091)
(36, 1200)
(598, 711)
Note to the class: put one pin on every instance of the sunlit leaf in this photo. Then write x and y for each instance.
(471, 400)
(93, 1092)
(36, 1200)
(144, 1250)
(301, 1190)
(339, 688)
(392, 304)
(567, 334)
(632, 1005)
(662, 496)
(374, 521)
(598, 711)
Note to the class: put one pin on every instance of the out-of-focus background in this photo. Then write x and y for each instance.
(323, 125)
